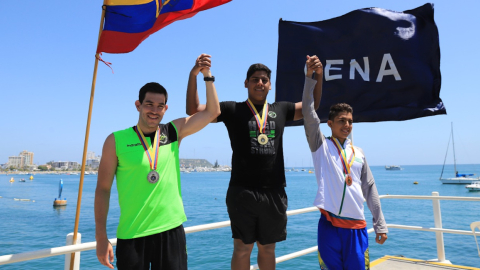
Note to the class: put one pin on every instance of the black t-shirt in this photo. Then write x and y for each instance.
(253, 164)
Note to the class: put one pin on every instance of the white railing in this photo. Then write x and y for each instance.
(49, 252)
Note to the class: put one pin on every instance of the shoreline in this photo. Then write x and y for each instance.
(46, 172)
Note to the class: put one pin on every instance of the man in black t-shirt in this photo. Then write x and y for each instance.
(256, 198)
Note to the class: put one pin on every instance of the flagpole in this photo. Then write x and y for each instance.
(85, 145)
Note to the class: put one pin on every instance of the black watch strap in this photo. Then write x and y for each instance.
(209, 79)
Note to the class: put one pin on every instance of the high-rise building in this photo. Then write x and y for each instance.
(27, 158)
(92, 160)
(15, 161)
(90, 155)
(93, 163)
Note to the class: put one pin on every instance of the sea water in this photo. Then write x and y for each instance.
(35, 224)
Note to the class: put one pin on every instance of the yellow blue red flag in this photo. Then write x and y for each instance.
(129, 22)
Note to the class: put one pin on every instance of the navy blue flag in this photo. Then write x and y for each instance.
(385, 64)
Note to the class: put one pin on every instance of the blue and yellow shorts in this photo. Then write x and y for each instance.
(340, 248)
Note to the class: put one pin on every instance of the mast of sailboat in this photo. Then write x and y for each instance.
(454, 159)
(446, 153)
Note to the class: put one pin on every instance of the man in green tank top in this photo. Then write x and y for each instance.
(145, 161)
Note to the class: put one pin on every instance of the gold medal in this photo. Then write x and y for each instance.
(262, 139)
(348, 180)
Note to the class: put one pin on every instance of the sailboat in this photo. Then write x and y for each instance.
(459, 178)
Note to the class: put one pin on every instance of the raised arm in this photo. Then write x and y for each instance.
(106, 172)
(189, 125)
(193, 103)
(311, 122)
(313, 64)
(370, 194)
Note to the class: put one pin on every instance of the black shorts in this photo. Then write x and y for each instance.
(258, 214)
(166, 250)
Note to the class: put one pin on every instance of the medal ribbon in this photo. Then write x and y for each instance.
(343, 156)
(150, 151)
(261, 121)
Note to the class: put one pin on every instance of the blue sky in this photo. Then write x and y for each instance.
(46, 65)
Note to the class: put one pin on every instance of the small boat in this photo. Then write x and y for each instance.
(22, 180)
(393, 168)
(59, 201)
(475, 186)
(12, 180)
(459, 178)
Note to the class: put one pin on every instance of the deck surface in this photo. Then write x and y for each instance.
(398, 263)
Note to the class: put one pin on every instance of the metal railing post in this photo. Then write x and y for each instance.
(76, 265)
(437, 215)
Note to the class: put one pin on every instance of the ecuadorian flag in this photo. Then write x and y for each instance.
(129, 22)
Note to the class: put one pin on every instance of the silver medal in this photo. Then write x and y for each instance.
(153, 177)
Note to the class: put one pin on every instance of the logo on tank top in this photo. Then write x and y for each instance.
(163, 138)
(133, 144)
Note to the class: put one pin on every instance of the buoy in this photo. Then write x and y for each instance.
(310, 171)
(60, 202)
(31, 177)
(12, 180)
(415, 183)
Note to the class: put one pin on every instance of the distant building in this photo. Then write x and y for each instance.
(90, 155)
(93, 163)
(24, 159)
(92, 160)
(65, 165)
(27, 158)
(15, 161)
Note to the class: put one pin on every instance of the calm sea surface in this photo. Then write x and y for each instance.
(33, 225)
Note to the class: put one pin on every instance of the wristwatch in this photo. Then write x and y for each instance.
(209, 79)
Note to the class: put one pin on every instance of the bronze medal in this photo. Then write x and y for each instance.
(153, 177)
(348, 180)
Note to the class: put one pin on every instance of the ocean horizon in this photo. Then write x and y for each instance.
(36, 224)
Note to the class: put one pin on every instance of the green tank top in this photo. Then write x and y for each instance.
(146, 208)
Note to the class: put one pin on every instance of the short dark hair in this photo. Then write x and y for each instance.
(152, 87)
(337, 109)
(258, 67)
